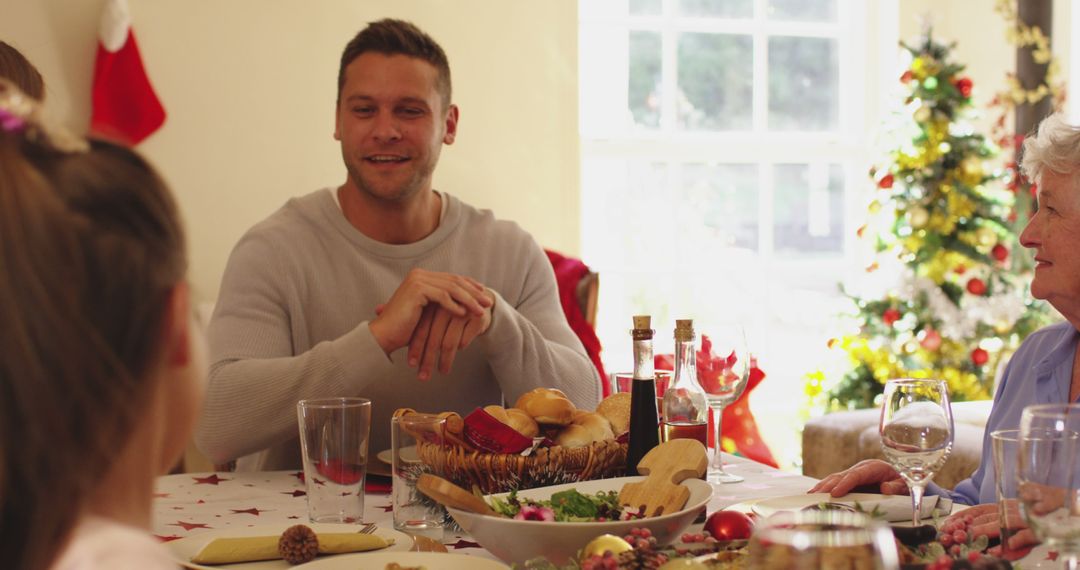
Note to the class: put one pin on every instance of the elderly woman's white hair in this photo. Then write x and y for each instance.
(1056, 147)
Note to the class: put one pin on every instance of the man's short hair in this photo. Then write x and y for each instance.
(398, 37)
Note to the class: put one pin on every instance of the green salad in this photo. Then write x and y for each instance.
(565, 506)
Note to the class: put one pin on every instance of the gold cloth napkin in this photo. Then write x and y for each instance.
(255, 548)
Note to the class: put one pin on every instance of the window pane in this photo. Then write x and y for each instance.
(718, 207)
(645, 7)
(803, 10)
(717, 8)
(644, 93)
(803, 84)
(715, 82)
(808, 206)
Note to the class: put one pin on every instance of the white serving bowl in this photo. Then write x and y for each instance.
(515, 541)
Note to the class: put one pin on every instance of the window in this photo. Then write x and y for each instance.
(723, 173)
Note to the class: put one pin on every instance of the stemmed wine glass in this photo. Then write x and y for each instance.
(916, 432)
(1047, 476)
(723, 388)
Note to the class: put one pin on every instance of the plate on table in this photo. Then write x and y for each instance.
(895, 508)
(185, 548)
(408, 454)
(379, 560)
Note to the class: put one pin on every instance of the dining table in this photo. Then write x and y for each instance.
(189, 503)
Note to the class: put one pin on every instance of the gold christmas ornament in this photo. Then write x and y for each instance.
(918, 216)
(986, 236)
(874, 207)
(605, 543)
(922, 114)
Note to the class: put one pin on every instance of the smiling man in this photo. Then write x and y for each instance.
(383, 287)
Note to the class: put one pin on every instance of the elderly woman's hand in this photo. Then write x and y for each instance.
(866, 472)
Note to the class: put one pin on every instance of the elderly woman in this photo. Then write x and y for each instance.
(1045, 368)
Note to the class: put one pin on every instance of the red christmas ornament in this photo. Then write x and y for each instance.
(979, 356)
(960, 269)
(963, 85)
(890, 316)
(1000, 252)
(906, 76)
(886, 182)
(976, 286)
(729, 525)
(931, 340)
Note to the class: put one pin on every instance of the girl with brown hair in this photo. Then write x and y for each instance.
(101, 366)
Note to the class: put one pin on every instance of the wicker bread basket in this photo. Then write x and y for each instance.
(500, 472)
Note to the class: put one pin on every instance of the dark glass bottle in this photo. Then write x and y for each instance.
(644, 419)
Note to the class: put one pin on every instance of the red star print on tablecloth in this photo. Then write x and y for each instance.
(169, 538)
(251, 511)
(189, 526)
(211, 480)
(1052, 555)
(386, 508)
(296, 493)
(462, 543)
(160, 495)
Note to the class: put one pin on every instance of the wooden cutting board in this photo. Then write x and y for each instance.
(450, 495)
(666, 467)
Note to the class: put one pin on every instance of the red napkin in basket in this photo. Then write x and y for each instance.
(741, 433)
(485, 432)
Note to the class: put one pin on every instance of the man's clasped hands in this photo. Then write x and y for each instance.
(436, 315)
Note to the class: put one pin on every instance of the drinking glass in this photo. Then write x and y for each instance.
(1005, 446)
(916, 432)
(334, 446)
(1047, 474)
(724, 388)
(809, 540)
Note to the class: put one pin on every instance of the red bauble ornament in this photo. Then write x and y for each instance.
(963, 85)
(979, 356)
(1000, 252)
(906, 76)
(960, 269)
(729, 525)
(931, 340)
(890, 316)
(886, 182)
(976, 286)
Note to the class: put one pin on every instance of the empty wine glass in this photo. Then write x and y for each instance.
(916, 432)
(1047, 476)
(722, 388)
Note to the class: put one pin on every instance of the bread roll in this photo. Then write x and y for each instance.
(547, 406)
(616, 408)
(587, 427)
(517, 419)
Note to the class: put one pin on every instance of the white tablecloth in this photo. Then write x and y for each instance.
(189, 503)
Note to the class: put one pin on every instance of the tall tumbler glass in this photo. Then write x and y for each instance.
(1005, 446)
(334, 443)
(1047, 474)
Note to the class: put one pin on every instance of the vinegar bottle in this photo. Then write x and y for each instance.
(685, 406)
(644, 420)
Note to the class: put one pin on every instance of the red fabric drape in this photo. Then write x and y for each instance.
(568, 273)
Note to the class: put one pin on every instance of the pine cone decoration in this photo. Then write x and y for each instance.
(298, 544)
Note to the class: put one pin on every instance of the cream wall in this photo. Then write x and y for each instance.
(249, 86)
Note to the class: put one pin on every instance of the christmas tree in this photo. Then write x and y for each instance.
(941, 221)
